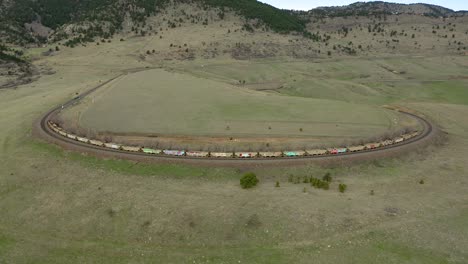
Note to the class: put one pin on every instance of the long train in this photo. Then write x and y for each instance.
(239, 155)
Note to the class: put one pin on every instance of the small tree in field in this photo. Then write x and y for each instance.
(249, 180)
(342, 187)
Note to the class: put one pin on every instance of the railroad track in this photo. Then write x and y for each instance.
(42, 129)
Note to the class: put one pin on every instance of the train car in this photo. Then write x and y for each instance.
(71, 136)
(342, 150)
(151, 151)
(246, 154)
(270, 154)
(316, 152)
(63, 133)
(221, 154)
(96, 142)
(112, 145)
(357, 148)
(131, 149)
(372, 145)
(386, 143)
(291, 154)
(409, 136)
(333, 151)
(398, 140)
(198, 154)
(82, 139)
(55, 129)
(177, 153)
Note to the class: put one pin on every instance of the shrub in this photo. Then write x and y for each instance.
(421, 182)
(277, 185)
(249, 180)
(342, 187)
(327, 177)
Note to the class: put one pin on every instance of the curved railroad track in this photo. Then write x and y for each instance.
(42, 130)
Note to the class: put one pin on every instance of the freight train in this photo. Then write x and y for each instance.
(238, 155)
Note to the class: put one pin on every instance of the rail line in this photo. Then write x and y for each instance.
(44, 131)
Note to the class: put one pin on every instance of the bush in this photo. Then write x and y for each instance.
(249, 180)
(277, 184)
(342, 187)
(327, 177)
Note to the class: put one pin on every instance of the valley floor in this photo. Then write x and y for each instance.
(61, 207)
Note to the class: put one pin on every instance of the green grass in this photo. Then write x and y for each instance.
(135, 168)
(63, 207)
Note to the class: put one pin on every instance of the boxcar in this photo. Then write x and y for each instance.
(197, 154)
(270, 154)
(174, 152)
(399, 140)
(221, 154)
(112, 145)
(151, 151)
(246, 154)
(131, 149)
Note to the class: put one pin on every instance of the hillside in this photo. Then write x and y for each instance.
(383, 8)
(104, 18)
(242, 30)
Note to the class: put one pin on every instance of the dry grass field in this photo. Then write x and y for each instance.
(63, 207)
(169, 105)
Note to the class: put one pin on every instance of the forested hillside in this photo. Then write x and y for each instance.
(105, 17)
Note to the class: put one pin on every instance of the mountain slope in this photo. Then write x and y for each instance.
(379, 7)
(103, 18)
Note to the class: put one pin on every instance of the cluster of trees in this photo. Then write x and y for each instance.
(323, 183)
(11, 55)
(278, 20)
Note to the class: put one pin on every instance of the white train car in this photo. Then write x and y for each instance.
(63, 133)
(247, 155)
(177, 153)
(112, 145)
(221, 154)
(71, 136)
(82, 139)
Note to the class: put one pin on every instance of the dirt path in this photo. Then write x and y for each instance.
(42, 130)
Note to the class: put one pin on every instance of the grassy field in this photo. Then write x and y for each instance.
(61, 207)
(161, 103)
